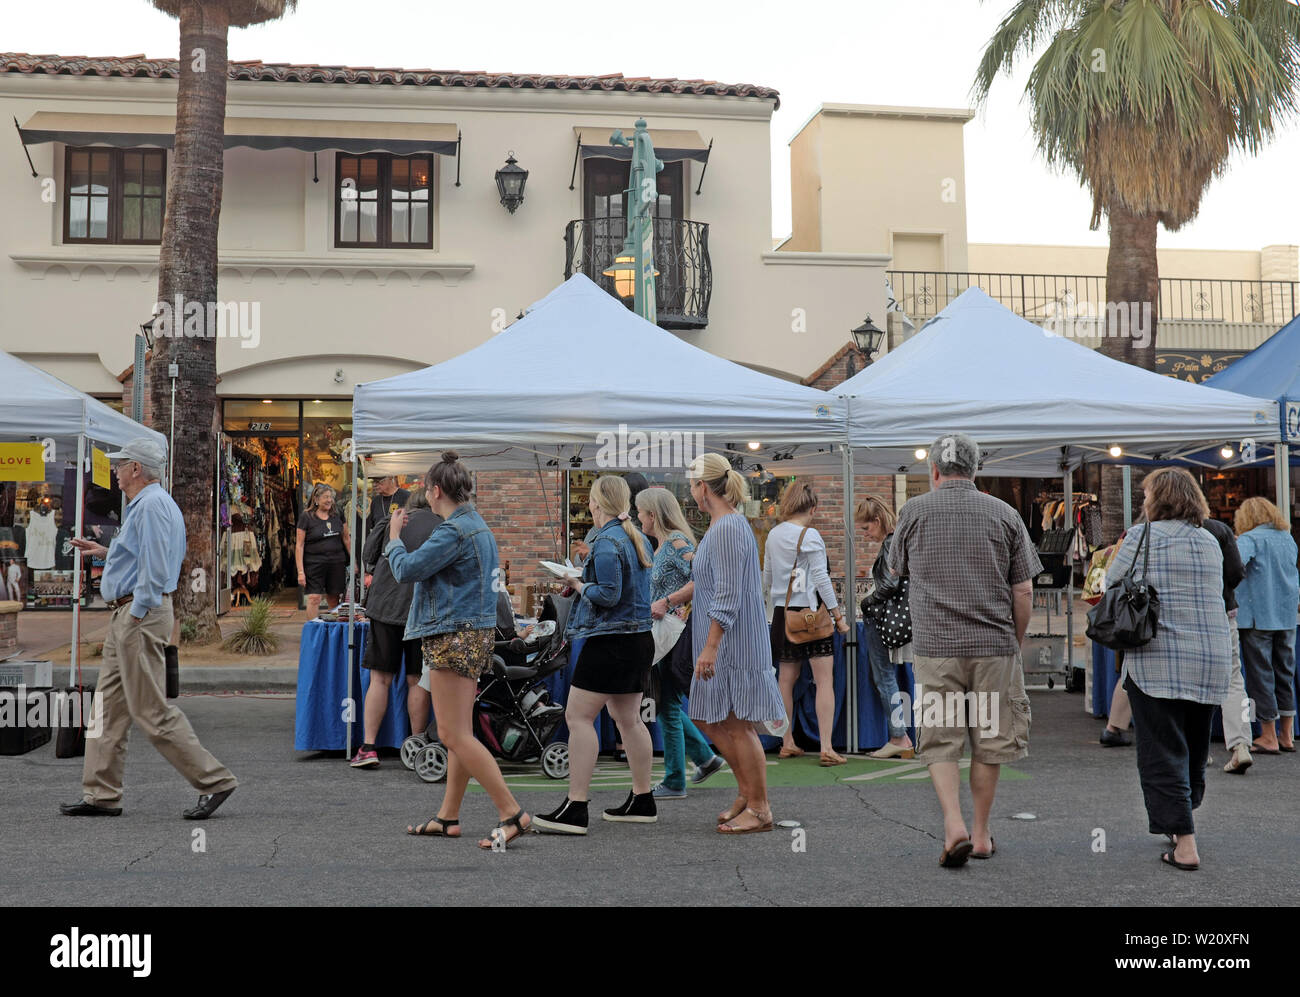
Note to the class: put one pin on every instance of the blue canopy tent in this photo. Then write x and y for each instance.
(1272, 370)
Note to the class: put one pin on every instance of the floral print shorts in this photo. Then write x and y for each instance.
(466, 652)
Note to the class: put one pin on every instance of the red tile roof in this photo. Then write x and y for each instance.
(255, 70)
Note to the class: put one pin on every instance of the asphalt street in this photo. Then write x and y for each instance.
(305, 829)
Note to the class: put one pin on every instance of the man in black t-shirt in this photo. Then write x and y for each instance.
(388, 498)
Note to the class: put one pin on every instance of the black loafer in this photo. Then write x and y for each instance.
(206, 806)
(83, 809)
(1112, 739)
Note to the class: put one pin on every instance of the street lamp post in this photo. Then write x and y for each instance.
(635, 261)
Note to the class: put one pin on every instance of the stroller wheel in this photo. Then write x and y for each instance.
(555, 760)
(411, 749)
(431, 763)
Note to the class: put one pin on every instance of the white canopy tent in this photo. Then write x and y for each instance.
(36, 406)
(1037, 403)
(1025, 393)
(581, 381)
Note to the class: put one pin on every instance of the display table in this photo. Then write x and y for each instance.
(873, 724)
(319, 723)
(1104, 681)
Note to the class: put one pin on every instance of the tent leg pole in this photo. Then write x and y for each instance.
(75, 658)
(1282, 472)
(850, 609)
(1128, 496)
(1068, 489)
(352, 611)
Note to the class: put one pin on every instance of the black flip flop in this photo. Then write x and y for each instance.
(1289, 749)
(956, 856)
(1259, 749)
(1168, 859)
(993, 850)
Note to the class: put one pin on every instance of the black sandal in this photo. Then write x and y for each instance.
(488, 843)
(422, 830)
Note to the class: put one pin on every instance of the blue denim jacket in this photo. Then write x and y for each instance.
(1267, 596)
(616, 595)
(454, 572)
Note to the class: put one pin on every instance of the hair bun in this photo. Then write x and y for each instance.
(450, 456)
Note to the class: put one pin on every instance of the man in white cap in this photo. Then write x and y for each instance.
(141, 571)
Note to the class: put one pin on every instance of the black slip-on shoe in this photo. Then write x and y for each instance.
(206, 806)
(83, 809)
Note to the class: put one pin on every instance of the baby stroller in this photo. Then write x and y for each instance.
(513, 715)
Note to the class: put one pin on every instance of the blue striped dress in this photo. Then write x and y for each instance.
(729, 589)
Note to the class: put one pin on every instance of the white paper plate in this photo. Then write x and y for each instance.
(561, 570)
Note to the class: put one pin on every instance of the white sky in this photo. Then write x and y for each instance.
(909, 52)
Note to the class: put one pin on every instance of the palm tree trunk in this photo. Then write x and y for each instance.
(1132, 284)
(188, 270)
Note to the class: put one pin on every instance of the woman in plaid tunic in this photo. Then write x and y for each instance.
(1175, 682)
(734, 685)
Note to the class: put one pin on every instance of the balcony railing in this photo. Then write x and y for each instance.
(685, 281)
(923, 294)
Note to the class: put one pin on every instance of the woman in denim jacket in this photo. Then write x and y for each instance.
(612, 613)
(1266, 616)
(453, 613)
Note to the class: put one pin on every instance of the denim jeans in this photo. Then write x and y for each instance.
(680, 736)
(884, 675)
(1270, 672)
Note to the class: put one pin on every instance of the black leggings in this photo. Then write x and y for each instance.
(1173, 743)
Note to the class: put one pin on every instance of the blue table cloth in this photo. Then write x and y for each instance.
(1104, 680)
(319, 721)
(873, 723)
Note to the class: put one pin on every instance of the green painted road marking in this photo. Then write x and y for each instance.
(805, 771)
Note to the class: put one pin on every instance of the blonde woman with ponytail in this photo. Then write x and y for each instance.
(611, 613)
(734, 685)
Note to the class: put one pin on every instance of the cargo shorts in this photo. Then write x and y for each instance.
(982, 699)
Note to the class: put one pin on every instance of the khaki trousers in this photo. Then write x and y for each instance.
(132, 688)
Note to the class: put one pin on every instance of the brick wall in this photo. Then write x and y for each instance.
(9, 629)
(525, 515)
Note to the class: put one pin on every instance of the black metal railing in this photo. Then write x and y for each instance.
(924, 293)
(685, 281)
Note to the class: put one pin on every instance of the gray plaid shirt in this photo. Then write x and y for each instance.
(962, 551)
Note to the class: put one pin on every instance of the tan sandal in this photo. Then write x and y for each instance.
(764, 823)
(729, 815)
(830, 758)
(790, 752)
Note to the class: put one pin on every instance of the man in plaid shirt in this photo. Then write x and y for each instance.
(971, 566)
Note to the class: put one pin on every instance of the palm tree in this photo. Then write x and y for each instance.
(1144, 100)
(188, 268)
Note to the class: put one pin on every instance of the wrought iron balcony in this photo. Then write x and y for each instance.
(685, 281)
(923, 294)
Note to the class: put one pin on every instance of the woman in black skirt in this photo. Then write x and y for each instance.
(612, 613)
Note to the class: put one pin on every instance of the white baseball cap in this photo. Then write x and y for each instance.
(144, 450)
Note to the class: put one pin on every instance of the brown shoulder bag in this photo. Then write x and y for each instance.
(805, 625)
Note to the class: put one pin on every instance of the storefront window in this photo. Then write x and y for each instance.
(325, 427)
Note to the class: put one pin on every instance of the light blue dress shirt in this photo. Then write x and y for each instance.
(144, 559)
(1267, 596)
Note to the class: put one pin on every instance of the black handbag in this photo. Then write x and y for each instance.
(1129, 610)
(893, 618)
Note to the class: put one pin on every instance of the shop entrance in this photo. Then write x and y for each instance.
(273, 453)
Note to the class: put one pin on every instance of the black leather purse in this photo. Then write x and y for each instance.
(1129, 611)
